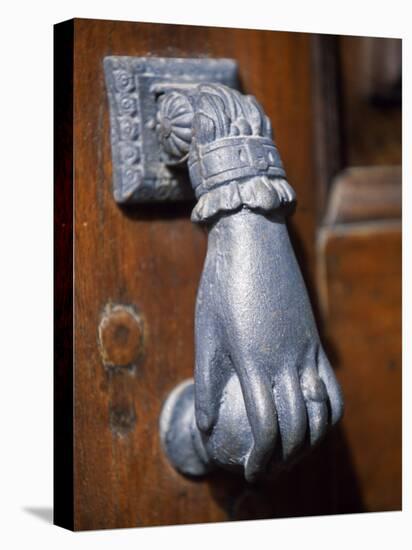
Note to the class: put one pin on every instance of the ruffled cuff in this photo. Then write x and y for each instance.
(259, 193)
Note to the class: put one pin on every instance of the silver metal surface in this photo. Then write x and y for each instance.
(263, 391)
(142, 171)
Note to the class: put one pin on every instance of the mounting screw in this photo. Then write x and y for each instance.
(120, 336)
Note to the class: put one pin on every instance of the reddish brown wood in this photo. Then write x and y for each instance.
(366, 193)
(121, 337)
(361, 281)
(360, 264)
(150, 258)
(329, 149)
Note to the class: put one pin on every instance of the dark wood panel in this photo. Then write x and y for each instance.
(149, 259)
(360, 283)
(371, 70)
(329, 147)
(365, 193)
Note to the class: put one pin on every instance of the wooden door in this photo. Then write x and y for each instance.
(135, 272)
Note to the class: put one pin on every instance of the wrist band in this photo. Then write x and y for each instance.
(233, 158)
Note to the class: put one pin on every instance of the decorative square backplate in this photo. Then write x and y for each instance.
(139, 172)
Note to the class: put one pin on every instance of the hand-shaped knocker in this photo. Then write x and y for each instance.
(263, 389)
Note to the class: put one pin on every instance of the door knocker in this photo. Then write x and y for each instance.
(263, 389)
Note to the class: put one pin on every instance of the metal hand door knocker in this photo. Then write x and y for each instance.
(263, 387)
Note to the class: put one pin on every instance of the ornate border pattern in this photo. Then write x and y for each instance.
(140, 172)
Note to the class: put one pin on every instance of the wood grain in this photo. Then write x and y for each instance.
(150, 258)
(365, 193)
(361, 281)
(329, 149)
